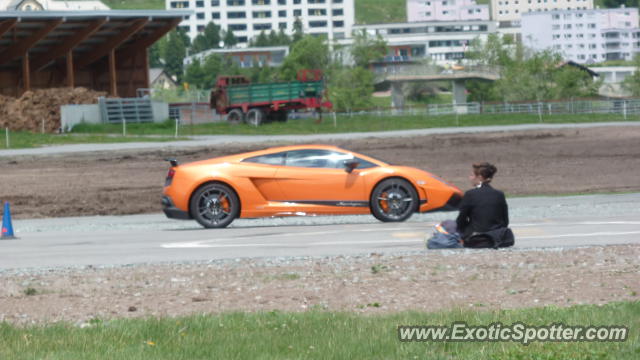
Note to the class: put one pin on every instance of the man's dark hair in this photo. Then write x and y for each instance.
(485, 170)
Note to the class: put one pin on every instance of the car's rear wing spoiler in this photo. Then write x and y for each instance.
(172, 161)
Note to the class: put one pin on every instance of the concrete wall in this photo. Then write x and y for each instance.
(75, 114)
(160, 111)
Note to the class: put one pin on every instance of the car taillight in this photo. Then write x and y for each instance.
(169, 178)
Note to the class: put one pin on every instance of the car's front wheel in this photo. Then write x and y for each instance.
(214, 205)
(393, 200)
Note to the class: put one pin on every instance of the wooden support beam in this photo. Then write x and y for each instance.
(26, 72)
(111, 44)
(71, 76)
(147, 41)
(7, 25)
(19, 48)
(67, 45)
(146, 68)
(113, 77)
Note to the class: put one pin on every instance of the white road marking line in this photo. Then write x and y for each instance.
(577, 223)
(580, 235)
(322, 243)
(209, 244)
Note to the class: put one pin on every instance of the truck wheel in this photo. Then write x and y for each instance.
(255, 117)
(235, 116)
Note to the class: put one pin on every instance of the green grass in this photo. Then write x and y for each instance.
(135, 4)
(380, 11)
(315, 334)
(357, 123)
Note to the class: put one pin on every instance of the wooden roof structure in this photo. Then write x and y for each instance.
(78, 48)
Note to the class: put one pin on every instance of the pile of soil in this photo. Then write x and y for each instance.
(39, 110)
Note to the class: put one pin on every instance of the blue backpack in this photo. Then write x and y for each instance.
(445, 236)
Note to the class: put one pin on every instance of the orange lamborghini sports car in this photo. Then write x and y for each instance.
(300, 180)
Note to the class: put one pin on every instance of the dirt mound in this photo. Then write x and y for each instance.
(39, 110)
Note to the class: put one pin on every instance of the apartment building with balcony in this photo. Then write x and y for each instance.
(247, 18)
(445, 10)
(512, 10)
(584, 36)
(443, 42)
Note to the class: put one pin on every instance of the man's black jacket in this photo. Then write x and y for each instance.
(482, 209)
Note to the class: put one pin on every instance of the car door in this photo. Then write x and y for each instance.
(318, 177)
(261, 172)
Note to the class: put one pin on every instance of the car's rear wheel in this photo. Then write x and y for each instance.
(393, 200)
(214, 205)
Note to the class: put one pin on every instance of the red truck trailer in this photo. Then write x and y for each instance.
(242, 101)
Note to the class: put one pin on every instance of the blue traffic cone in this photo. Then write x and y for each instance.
(7, 228)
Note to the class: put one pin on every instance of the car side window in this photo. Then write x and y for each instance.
(268, 159)
(317, 158)
(364, 164)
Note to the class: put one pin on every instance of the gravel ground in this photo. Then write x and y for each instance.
(374, 283)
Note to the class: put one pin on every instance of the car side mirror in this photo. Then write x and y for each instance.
(349, 165)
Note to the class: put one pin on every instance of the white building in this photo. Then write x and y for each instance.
(512, 10)
(446, 10)
(584, 36)
(247, 18)
(271, 56)
(444, 42)
(50, 5)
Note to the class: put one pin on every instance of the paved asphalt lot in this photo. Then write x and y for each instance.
(538, 222)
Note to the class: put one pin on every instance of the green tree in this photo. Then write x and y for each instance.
(261, 40)
(230, 40)
(273, 38)
(366, 49)
(207, 39)
(203, 75)
(574, 82)
(617, 3)
(298, 32)
(351, 88)
(155, 59)
(308, 53)
(530, 79)
(174, 54)
(194, 75)
(495, 51)
(283, 38)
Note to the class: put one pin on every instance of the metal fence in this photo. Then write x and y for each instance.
(623, 107)
(199, 113)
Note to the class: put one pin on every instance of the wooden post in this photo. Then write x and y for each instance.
(145, 67)
(71, 81)
(26, 72)
(113, 79)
